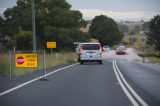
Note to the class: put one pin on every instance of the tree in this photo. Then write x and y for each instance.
(132, 33)
(1, 35)
(154, 32)
(145, 26)
(23, 37)
(51, 17)
(105, 30)
(1, 29)
(132, 40)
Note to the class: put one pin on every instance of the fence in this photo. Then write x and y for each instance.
(8, 69)
(27, 62)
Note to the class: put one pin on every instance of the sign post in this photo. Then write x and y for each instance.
(143, 46)
(44, 66)
(51, 45)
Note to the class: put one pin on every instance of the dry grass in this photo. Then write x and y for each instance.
(52, 60)
(138, 42)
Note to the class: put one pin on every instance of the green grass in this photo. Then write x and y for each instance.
(154, 59)
(51, 61)
(4, 64)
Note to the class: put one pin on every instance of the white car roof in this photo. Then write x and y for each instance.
(89, 43)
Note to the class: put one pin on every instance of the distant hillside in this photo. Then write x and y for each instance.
(132, 25)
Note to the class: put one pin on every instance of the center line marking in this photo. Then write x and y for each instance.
(119, 74)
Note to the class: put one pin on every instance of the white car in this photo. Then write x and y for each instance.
(90, 52)
(106, 48)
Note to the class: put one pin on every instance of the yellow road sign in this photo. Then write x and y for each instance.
(51, 44)
(26, 60)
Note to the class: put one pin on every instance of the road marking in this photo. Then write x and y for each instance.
(133, 101)
(28, 82)
(128, 86)
(117, 83)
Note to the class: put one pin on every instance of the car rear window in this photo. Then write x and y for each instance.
(121, 48)
(90, 46)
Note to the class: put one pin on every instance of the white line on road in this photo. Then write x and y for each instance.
(28, 82)
(128, 86)
(133, 101)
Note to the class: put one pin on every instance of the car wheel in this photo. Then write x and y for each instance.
(78, 60)
(81, 62)
(100, 62)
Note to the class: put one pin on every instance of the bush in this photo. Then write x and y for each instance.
(146, 55)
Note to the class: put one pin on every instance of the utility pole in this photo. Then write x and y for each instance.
(33, 26)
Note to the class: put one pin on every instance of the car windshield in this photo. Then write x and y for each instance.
(121, 48)
(90, 46)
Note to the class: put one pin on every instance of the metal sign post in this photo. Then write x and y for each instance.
(33, 26)
(143, 56)
(44, 67)
(51, 50)
(143, 46)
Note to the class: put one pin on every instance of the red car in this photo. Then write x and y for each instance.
(120, 50)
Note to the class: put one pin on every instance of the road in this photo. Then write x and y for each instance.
(92, 84)
(143, 77)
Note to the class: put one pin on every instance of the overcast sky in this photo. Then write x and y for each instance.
(116, 9)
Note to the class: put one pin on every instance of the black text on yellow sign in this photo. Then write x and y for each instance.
(26, 60)
(51, 44)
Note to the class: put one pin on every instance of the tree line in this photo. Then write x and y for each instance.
(55, 21)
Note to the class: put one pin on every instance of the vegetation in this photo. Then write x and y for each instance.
(23, 37)
(52, 60)
(105, 30)
(145, 26)
(135, 40)
(154, 32)
(55, 21)
(137, 29)
(154, 59)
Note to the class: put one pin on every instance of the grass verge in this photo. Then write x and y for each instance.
(154, 59)
(52, 60)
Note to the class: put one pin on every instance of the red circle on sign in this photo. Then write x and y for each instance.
(20, 60)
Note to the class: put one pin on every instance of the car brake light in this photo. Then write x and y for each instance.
(81, 50)
(100, 51)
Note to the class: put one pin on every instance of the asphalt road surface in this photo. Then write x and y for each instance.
(122, 80)
(144, 78)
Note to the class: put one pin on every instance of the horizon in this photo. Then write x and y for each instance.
(117, 10)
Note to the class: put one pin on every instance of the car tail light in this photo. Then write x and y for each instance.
(100, 50)
(81, 50)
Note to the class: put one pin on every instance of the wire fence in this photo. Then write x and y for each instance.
(18, 68)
